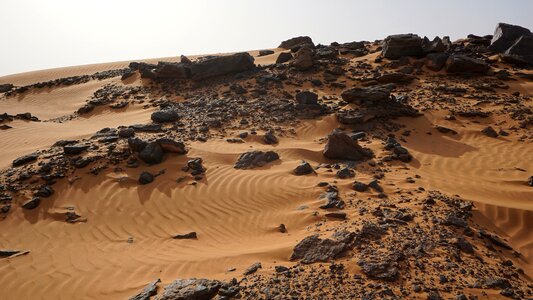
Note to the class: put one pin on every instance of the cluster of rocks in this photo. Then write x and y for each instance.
(5, 117)
(10, 90)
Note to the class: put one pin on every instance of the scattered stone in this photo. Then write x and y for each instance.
(359, 186)
(146, 178)
(345, 173)
(190, 235)
(303, 169)
(490, 132)
(252, 269)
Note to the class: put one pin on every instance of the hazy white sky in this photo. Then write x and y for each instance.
(38, 34)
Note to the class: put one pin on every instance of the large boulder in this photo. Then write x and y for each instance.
(152, 153)
(436, 61)
(342, 146)
(303, 59)
(165, 115)
(505, 35)
(25, 159)
(522, 50)
(222, 65)
(297, 42)
(400, 45)
(6, 87)
(372, 94)
(465, 64)
(172, 70)
(190, 289)
(284, 57)
(307, 98)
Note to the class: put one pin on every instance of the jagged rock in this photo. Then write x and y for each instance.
(506, 35)
(297, 42)
(190, 235)
(146, 178)
(190, 289)
(303, 59)
(265, 52)
(436, 45)
(171, 146)
(436, 61)
(136, 144)
(490, 132)
(196, 166)
(253, 159)
(283, 57)
(164, 116)
(307, 98)
(75, 149)
(148, 291)
(400, 45)
(496, 240)
(303, 169)
(386, 270)
(25, 159)
(333, 199)
(252, 269)
(314, 249)
(465, 64)
(496, 283)
(341, 146)
(126, 132)
(336, 215)
(32, 203)
(373, 94)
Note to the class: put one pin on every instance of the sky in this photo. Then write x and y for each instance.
(37, 34)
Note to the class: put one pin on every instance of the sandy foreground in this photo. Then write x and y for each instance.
(126, 240)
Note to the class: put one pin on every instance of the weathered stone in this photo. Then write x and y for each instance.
(465, 64)
(146, 178)
(303, 169)
(385, 270)
(25, 159)
(190, 289)
(148, 291)
(75, 149)
(283, 57)
(253, 159)
(400, 45)
(314, 249)
(341, 146)
(506, 35)
(164, 116)
(297, 42)
(252, 269)
(303, 59)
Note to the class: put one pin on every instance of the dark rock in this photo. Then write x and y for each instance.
(190, 235)
(336, 215)
(265, 52)
(25, 159)
(443, 129)
(281, 269)
(303, 169)
(126, 132)
(87, 108)
(454, 220)
(400, 45)
(152, 153)
(44, 191)
(375, 185)
(386, 270)
(164, 116)
(9, 252)
(190, 289)
(297, 42)
(496, 283)
(283, 57)
(436, 61)
(136, 144)
(6, 87)
(435, 46)
(505, 35)
(222, 65)
(314, 249)
(74, 149)
(530, 181)
(359, 186)
(32, 203)
(490, 132)
(465, 64)
(341, 146)
(148, 291)
(146, 178)
(307, 98)
(464, 245)
(496, 240)
(196, 166)
(252, 269)
(379, 93)
(270, 138)
(303, 59)
(127, 74)
(333, 199)
(253, 159)
(345, 173)
(521, 51)
(171, 146)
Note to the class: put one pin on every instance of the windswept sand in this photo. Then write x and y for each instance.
(235, 213)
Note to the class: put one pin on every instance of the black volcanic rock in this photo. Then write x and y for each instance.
(152, 153)
(400, 45)
(165, 115)
(25, 159)
(190, 289)
(505, 35)
(378, 93)
(222, 65)
(314, 249)
(148, 291)
(283, 57)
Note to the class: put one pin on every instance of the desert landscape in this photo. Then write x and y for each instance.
(399, 168)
